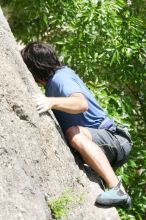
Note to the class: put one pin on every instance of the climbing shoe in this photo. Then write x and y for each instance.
(114, 197)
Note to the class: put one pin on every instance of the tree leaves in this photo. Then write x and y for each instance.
(105, 43)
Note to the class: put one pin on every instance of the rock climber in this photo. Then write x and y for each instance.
(86, 127)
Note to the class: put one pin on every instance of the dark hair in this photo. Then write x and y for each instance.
(41, 60)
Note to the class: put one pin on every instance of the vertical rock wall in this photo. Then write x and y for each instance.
(34, 159)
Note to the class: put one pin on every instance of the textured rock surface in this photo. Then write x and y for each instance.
(34, 159)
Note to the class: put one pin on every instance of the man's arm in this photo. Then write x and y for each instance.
(74, 104)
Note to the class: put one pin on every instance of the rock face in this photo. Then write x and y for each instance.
(35, 161)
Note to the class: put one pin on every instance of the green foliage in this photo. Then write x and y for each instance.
(133, 173)
(135, 184)
(59, 207)
(105, 43)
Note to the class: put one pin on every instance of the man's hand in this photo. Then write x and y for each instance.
(43, 103)
(74, 104)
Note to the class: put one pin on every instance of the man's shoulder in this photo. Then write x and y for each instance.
(63, 74)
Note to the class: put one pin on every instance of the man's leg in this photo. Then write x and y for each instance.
(80, 139)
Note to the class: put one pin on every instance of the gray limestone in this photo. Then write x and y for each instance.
(35, 163)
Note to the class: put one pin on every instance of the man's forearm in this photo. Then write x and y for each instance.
(72, 104)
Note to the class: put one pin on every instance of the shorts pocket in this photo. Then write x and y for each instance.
(123, 150)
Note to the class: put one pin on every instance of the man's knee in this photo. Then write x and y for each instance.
(76, 134)
(73, 136)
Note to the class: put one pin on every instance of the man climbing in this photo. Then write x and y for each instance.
(86, 127)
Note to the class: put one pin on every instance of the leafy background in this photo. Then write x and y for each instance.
(104, 41)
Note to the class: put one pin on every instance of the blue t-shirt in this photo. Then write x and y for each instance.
(62, 84)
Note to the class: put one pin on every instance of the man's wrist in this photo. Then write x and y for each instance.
(53, 102)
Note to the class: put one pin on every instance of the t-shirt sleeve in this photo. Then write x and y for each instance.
(67, 87)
